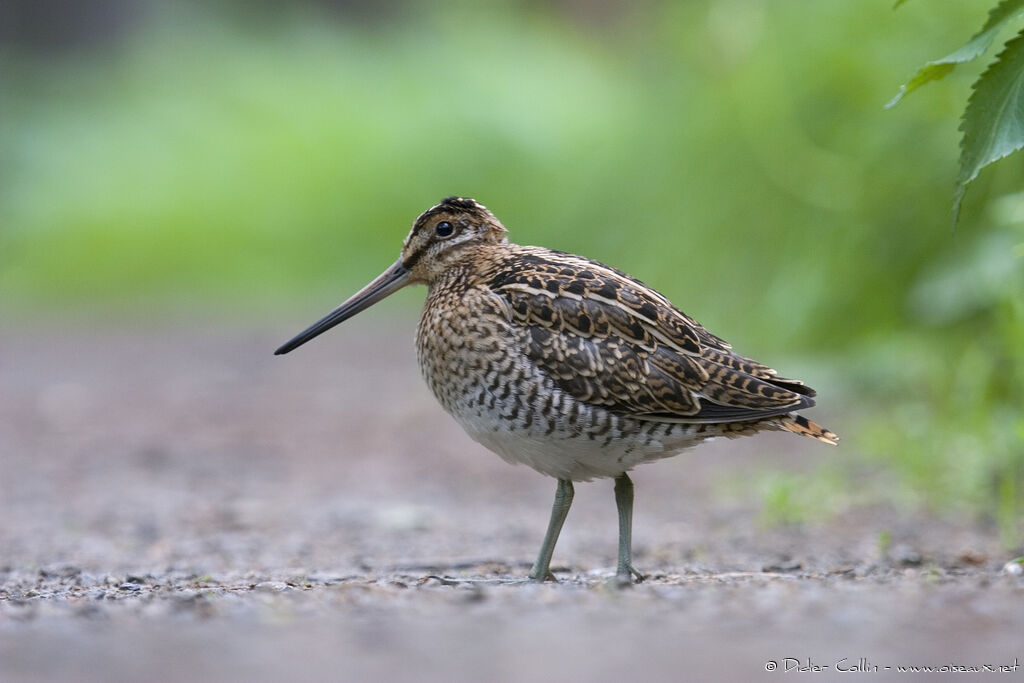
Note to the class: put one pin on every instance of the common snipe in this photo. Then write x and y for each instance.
(567, 365)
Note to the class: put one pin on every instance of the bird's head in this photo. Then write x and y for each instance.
(440, 237)
(444, 234)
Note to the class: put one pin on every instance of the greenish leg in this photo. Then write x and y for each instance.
(563, 500)
(624, 501)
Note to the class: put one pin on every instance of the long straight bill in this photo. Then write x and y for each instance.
(388, 282)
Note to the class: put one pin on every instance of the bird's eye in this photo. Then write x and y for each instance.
(444, 229)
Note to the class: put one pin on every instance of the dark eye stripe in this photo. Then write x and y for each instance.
(412, 260)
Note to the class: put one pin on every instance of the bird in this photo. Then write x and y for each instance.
(567, 365)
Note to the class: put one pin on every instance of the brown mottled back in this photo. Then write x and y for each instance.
(610, 340)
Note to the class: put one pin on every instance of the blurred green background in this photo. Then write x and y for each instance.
(258, 157)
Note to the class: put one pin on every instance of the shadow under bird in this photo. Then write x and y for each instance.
(568, 365)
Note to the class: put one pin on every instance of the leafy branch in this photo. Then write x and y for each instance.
(993, 121)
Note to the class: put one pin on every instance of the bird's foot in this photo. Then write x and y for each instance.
(627, 576)
(541, 577)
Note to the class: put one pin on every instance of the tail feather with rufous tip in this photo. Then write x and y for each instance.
(798, 424)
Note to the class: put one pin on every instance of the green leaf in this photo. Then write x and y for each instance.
(1001, 14)
(993, 123)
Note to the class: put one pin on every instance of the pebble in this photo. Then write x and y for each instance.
(905, 555)
(271, 586)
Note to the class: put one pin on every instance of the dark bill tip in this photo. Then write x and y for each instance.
(388, 282)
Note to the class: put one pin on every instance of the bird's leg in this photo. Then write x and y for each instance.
(563, 500)
(624, 502)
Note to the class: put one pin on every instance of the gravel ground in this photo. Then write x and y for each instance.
(178, 504)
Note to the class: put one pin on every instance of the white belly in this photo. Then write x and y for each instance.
(581, 451)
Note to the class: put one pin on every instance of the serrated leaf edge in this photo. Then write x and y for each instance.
(967, 175)
(1003, 13)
